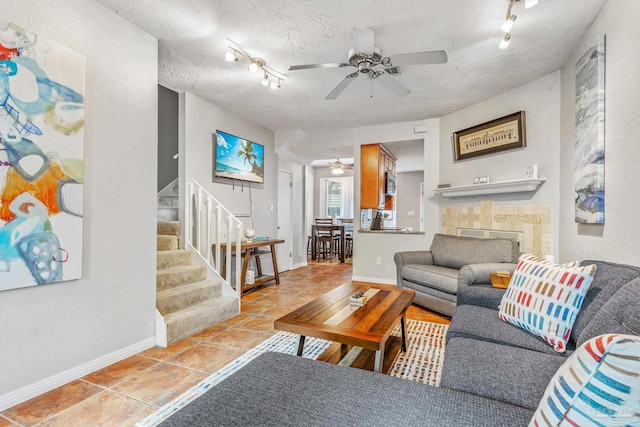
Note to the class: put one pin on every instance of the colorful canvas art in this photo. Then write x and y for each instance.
(590, 116)
(41, 159)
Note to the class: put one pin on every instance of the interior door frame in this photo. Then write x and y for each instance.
(288, 240)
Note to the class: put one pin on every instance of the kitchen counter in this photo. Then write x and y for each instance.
(396, 230)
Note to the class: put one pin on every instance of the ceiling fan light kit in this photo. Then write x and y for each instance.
(337, 167)
(507, 26)
(368, 59)
(271, 78)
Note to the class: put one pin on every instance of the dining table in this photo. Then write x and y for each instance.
(342, 229)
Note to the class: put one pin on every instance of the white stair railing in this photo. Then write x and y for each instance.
(211, 230)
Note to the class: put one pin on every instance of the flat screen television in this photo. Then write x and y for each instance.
(237, 158)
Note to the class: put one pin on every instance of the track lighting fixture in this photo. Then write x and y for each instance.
(507, 26)
(270, 77)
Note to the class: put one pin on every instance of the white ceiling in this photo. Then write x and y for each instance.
(192, 42)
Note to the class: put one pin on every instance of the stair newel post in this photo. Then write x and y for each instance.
(187, 218)
(199, 214)
(228, 251)
(238, 258)
(218, 237)
(208, 245)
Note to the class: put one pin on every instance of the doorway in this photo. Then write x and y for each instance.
(284, 251)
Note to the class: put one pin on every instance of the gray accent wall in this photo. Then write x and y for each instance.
(616, 240)
(167, 136)
(51, 334)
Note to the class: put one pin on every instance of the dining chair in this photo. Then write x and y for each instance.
(328, 242)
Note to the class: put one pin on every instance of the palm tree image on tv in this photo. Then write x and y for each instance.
(238, 158)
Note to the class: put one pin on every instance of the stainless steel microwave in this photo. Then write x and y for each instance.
(390, 184)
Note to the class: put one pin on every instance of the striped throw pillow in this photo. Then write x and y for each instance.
(544, 298)
(598, 385)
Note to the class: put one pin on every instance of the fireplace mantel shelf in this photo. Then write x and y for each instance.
(513, 186)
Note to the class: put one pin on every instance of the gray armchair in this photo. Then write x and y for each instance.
(454, 263)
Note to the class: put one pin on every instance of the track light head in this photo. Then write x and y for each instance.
(505, 41)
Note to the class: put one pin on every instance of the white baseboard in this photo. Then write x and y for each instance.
(300, 265)
(161, 330)
(36, 389)
(373, 280)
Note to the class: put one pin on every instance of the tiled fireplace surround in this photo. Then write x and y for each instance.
(533, 220)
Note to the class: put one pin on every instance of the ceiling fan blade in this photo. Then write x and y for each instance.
(393, 85)
(310, 66)
(418, 58)
(341, 86)
(363, 38)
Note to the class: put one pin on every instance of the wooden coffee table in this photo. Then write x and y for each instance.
(331, 317)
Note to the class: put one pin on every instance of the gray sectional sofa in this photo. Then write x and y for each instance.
(494, 374)
(452, 261)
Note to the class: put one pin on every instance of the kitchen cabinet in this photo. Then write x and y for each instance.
(375, 162)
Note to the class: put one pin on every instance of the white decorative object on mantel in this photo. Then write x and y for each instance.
(513, 186)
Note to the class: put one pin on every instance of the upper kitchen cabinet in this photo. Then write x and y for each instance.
(377, 177)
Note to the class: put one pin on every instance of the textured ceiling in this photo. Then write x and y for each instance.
(192, 42)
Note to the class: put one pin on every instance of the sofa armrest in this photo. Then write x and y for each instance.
(474, 285)
(410, 257)
(473, 274)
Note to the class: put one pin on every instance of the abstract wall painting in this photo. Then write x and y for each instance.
(41, 159)
(590, 135)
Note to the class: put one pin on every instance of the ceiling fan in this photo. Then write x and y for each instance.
(337, 167)
(367, 59)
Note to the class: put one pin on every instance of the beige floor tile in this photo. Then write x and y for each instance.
(259, 322)
(160, 384)
(164, 353)
(206, 357)
(102, 410)
(6, 423)
(52, 402)
(120, 371)
(241, 339)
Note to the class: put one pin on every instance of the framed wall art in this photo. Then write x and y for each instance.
(590, 135)
(41, 159)
(505, 133)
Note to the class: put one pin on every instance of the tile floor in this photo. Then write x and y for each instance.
(127, 391)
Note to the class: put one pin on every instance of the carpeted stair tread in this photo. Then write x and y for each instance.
(184, 323)
(168, 243)
(169, 228)
(174, 258)
(178, 298)
(181, 275)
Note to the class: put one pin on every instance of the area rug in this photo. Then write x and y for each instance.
(422, 362)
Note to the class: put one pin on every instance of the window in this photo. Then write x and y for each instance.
(334, 198)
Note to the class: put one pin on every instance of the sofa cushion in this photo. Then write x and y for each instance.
(608, 279)
(279, 390)
(544, 299)
(470, 321)
(441, 278)
(619, 315)
(598, 385)
(456, 252)
(509, 374)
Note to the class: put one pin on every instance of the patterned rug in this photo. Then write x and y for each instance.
(422, 362)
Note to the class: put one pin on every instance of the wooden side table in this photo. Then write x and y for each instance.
(250, 249)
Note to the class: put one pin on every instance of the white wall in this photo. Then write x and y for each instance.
(299, 235)
(199, 121)
(540, 100)
(51, 334)
(408, 199)
(616, 240)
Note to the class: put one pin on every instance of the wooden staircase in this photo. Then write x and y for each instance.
(188, 302)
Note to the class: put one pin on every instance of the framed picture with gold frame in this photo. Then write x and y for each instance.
(505, 133)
